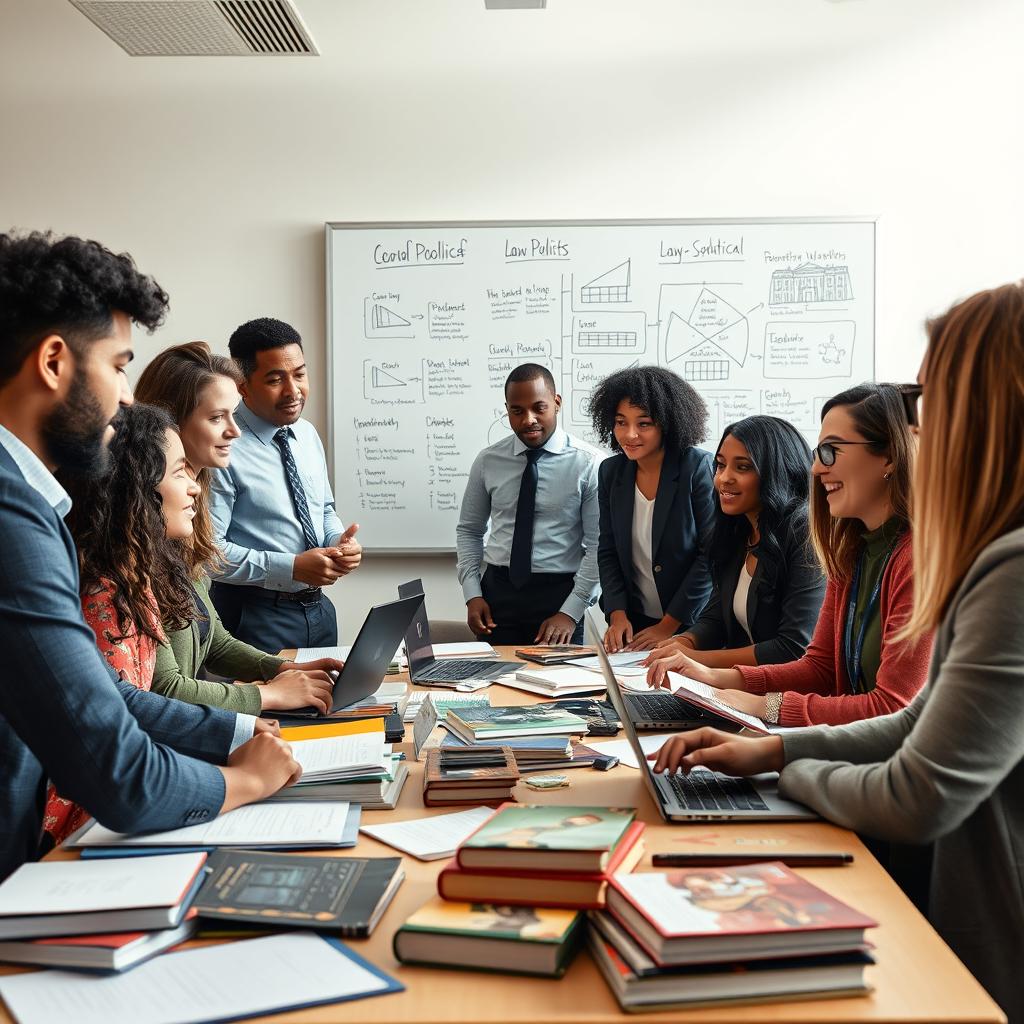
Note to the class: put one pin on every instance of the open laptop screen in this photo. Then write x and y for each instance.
(418, 649)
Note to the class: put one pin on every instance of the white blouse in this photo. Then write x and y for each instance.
(739, 599)
(643, 541)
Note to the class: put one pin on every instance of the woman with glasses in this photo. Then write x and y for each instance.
(949, 769)
(854, 667)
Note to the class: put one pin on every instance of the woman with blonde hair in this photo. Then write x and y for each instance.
(949, 769)
(855, 667)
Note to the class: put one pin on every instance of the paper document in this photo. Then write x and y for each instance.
(624, 752)
(264, 824)
(431, 838)
(225, 982)
(707, 697)
(333, 758)
(625, 663)
(316, 653)
(465, 649)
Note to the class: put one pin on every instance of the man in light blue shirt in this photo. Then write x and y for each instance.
(537, 490)
(272, 508)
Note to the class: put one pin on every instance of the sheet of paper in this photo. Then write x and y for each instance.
(563, 691)
(709, 696)
(330, 754)
(624, 752)
(464, 649)
(76, 886)
(431, 838)
(625, 663)
(295, 824)
(316, 653)
(225, 982)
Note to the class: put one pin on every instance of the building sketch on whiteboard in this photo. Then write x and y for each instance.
(810, 282)
(382, 322)
(611, 286)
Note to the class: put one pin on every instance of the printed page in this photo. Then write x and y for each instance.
(431, 838)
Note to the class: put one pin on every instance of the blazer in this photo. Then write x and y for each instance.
(64, 714)
(816, 689)
(684, 516)
(783, 603)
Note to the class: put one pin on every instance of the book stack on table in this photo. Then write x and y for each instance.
(469, 776)
(673, 939)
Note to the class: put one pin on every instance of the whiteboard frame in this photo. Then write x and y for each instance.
(342, 225)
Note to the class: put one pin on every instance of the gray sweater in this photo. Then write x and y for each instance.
(948, 769)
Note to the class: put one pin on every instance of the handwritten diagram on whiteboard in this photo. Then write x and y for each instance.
(427, 320)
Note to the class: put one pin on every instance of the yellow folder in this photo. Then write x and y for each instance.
(319, 732)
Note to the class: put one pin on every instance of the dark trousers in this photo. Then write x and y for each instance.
(518, 612)
(270, 622)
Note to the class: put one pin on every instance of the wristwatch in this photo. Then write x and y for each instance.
(772, 707)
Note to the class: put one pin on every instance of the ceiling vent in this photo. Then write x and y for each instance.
(202, 28)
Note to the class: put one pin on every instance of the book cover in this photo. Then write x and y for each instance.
(339, 894)
(490, 921)
(751, 899)
(514, 720)
(555, 654)
(598, 714)
(456, 767)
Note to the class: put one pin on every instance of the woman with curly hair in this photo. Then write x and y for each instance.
(768, 586)
(656, 506)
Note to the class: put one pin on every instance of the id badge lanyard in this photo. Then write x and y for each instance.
(853, 651)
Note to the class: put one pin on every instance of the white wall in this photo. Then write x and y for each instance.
(218, 173)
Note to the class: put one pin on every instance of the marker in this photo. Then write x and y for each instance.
(712, 860)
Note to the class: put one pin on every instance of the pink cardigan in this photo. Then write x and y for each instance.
(816, 689)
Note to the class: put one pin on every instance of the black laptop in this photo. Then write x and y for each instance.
(425, 669)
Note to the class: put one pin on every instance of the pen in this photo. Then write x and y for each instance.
(709, 860)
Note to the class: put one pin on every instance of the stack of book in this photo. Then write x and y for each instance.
(105, 915)
(484, 724)
(560, 681)
(555, 654)
(536, 753)
(705, 935)
(544, 856)
(469, 776)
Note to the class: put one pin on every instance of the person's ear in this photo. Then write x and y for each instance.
(558, 402)
(55, 363)
(243, 387)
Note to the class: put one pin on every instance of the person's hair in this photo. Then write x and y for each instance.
(118, 526)
(878, 413)
(258, 336)
(968, 485)
(67, 286)
(782, 459)
(531, 371)
(672, 403)
(175, 380)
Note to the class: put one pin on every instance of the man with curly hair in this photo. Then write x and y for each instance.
(134, 760)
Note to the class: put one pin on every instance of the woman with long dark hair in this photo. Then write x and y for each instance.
(768, 586)
(855, 666)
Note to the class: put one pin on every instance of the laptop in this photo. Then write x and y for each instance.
(425, 669)
(702, 795)
(368, 660)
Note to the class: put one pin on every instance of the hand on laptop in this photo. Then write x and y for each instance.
(294, 689)
(720, 752)
(319, 665)
(556, 629)
(478, 616)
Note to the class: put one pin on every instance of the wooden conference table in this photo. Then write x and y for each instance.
(917, 977)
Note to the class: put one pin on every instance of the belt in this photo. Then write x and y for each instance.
(309, 596)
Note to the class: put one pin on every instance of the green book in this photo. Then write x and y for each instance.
(484, 937)
(474, 723)
(547, 837)
(344, 895)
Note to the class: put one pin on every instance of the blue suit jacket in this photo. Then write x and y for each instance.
(65, 716)
(684, 518)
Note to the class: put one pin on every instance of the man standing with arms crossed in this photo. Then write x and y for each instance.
(273, 508)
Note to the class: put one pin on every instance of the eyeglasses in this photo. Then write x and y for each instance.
(911, 395)
(827, 451)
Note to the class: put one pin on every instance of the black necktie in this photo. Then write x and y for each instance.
(291, 471)
(520, 563)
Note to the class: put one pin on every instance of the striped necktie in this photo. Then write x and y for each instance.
(291, 471)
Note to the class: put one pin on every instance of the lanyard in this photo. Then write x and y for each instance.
(853, 652)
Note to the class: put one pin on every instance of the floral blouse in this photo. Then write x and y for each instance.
(133, 658)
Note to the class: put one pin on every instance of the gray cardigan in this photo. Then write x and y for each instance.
(948, 769)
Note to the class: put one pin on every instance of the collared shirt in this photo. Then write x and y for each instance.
(41, 479)
(251, 506)
(565, 528)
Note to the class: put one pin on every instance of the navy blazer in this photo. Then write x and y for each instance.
(65, 716)
(684, 516)
(783, 602)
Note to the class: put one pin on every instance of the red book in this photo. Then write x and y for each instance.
(542, 889)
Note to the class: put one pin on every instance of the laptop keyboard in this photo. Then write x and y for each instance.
(663, 707)
(710, 791)
(461, 668)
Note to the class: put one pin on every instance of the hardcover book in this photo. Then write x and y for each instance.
(477, 723)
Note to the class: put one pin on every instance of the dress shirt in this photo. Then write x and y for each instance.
(41, 479)
(253, 514)
(643, 557)
(565, 527)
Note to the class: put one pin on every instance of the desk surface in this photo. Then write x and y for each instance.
(917, 977)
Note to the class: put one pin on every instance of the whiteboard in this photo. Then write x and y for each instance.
(426, 320)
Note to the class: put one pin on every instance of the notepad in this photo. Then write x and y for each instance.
(262, 824)
(216, 983)
(431, 838)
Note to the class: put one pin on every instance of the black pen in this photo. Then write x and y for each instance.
(712, 860)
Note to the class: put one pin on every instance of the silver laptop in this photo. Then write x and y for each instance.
(702, 795)
(426, 670)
